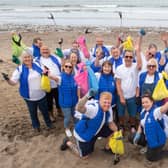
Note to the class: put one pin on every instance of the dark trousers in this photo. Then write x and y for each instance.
(88, 147)
(33, 106)
(53, 94)
(115, 114)
(152, 154)
(141, 141)
(155, 154)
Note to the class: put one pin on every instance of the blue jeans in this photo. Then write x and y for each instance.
(32, 107)
(130, 105)
(68, 113)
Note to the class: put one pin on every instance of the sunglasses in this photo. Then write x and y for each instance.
(151, 54)
(99, 52)
(151, 66)
(128, 57)
(68, 66)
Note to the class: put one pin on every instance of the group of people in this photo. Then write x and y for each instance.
(126, 79)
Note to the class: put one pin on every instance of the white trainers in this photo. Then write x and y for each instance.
(68, 132)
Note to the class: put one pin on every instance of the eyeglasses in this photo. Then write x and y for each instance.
(68, 66)
(128, 57)
(151, 66)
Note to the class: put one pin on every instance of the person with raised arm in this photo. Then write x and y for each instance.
(152, 131)
(95, 120)
(28, 75)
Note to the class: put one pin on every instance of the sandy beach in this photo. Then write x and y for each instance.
(20, 147)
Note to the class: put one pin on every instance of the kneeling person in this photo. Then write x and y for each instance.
(95, 121)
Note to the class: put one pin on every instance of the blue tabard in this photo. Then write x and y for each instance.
(67, 91)
(24, 87)
(87, 128)
(154, 131)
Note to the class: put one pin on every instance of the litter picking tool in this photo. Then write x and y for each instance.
(117, 156)
(117, 146)
(51, 16)
(60, 42)
(116, 159)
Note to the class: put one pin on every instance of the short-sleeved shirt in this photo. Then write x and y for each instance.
(34, 83)
(149, 79)
(54, 69)
(157, 116)
(128, 77)
(92, 108)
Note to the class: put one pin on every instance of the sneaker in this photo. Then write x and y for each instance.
(108, 151)
(52, 116)
(37, 130)
(68, 132)
(148, 163)
(99, 138)
(64, 145)
(51, 127)
(53, 119)
(143, 150)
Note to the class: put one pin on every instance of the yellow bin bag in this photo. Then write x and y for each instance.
(45, 83)
(116, 143)
(160, 92)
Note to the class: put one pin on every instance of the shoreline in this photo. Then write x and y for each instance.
(61, 28)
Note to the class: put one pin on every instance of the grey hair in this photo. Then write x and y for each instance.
(26, 52)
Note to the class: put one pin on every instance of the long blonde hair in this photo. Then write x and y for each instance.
(63, 64)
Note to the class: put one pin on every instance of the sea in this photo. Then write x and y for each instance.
(118, 13)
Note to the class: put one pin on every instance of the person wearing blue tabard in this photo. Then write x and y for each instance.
(37, 44)
(106, 82)
(166, 83)
(126, 82)
(74, 60)
(97, 60)
(53, 63)
(115, 58)
(152, 52)
(95, 120)
(149, 79)
(152, 126)
(68, 93)
(28, 74)
(99, 43)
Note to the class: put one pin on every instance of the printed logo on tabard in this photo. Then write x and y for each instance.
(149, 120)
